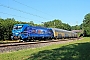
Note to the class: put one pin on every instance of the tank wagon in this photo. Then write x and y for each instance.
(28, 32)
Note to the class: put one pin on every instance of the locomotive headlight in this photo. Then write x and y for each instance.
(16, 33)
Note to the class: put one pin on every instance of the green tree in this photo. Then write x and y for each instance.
(86, 24)
(76, 27)
(57, 24)
(1, 29)
(31, 23)
(54, 24)
(66, 26)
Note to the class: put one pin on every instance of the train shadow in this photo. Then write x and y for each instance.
(77, 51)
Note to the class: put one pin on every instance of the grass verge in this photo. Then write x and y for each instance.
(8, 41)
(76, 50)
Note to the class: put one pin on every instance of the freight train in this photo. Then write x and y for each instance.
(27, 32)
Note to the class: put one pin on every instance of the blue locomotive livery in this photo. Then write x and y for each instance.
(27, 32)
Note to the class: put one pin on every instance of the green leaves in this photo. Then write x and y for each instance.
(6, 26)
(86, 24)
(57, 24)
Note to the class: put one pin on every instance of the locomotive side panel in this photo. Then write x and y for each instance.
(40, 33)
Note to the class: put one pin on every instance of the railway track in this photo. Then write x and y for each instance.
(25, 45)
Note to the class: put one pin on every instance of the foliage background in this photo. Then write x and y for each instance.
(6, 26)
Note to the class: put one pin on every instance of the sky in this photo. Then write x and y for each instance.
(71, 12)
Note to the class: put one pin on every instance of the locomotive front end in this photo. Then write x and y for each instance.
(16, 32)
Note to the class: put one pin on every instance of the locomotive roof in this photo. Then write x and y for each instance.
(34, 26)
(21, 24)
(40, 27)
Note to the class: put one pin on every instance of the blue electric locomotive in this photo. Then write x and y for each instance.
(27, 32)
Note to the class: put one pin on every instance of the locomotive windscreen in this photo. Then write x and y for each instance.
(17, 26)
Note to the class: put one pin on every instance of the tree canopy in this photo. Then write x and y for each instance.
(6, 26)
(57, 24)
(86, 24)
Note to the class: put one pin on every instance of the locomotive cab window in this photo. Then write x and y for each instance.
(17, 26)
